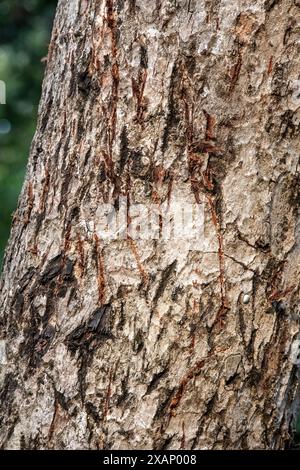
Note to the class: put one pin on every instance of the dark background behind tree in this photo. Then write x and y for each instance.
(25, 28)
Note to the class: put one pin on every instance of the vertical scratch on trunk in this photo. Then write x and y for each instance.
(67, 238)
(194, 160)
(45, 190)
(270, 65)
(133, 247)
(183, 384)
(30, 201)
(115, 74)
(100, 270)
(210, 124)
(201, 179)
(224, 301)
(52, 425)
(80, 250)
(138, 87)
(182, 444)
(235, 72)
(170, 187)
(192, 345)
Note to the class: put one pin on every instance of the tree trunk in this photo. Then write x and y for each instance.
(132, 344)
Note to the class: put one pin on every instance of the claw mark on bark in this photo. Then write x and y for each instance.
(110, 171)
(210, 124)
(202, 179)
(183, 384)
(192, 345)
(133, 247)
(112, 25)
(188, 377)
(247, 268)
(67, 237)
(100, 270)
(182, 444)
(235, 72)
(270, 66)
(172, 118)
(194, 160)
(224, 301)
(158, 174)
(45, 190)
(138, 87)
(124, 150)
(30, 201)
(80, 250)
(170, 186)
(279, 295)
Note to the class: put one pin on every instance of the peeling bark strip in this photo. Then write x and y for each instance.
(158, 343)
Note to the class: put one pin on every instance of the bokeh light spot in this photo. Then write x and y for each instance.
(5, 126)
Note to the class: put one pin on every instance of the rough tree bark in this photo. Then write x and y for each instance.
(143, 98)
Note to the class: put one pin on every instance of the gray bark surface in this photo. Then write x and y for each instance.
(142, 99)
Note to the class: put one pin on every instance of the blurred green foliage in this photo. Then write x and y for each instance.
(25, 28)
